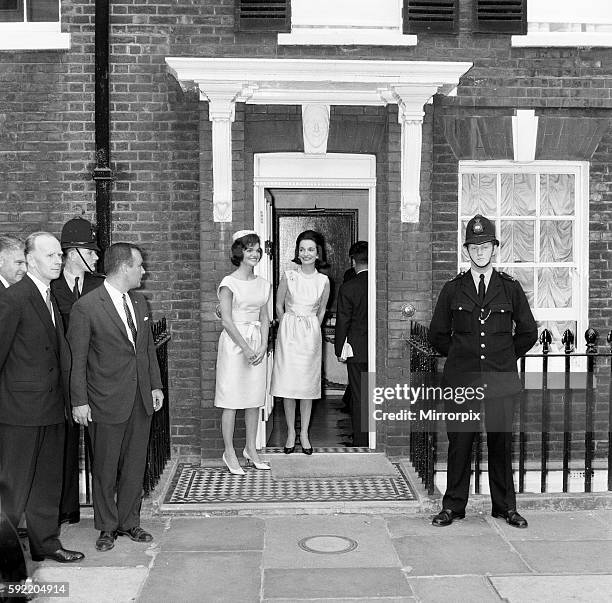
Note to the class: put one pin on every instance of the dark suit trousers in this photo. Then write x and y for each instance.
(358, 406)
(498, 423)
(31, 481)
(119, 457)
(69, 504)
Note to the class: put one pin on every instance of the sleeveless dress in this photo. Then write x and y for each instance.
(239, 384)
(297, 355)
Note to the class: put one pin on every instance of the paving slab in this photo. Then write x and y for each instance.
(458, 555)
(554, 589)
(100, 584)
(374, 548)
(214, 534)
(319, 583)
(472, 525)
(210, 577)
(458, 589)
(558, 526)
(577, 557)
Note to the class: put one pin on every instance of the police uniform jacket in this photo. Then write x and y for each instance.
(482, 339)
(65, 296)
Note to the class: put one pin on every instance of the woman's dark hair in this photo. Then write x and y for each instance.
(239, 245)
(317, 239)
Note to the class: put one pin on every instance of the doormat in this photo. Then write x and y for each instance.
(194, 484)
(290, 466)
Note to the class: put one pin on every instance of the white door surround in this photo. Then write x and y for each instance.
(329, 171)
(223, 82)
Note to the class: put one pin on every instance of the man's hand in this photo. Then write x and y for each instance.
(82, 414)
(341, 359)
(158, 399)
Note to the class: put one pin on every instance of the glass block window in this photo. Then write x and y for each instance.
(539, 210)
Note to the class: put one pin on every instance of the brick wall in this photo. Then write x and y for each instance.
(161, 158)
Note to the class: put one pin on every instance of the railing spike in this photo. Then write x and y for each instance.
(545, 340)
(590, 336)
(568, 340)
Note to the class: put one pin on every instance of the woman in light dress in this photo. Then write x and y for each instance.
(242, 353)
(300, 305)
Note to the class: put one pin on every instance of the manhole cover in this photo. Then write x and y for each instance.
(327, 544)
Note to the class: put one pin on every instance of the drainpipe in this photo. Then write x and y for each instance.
(102, 173)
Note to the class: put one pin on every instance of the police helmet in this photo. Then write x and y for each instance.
(79, 232)
(480, 230)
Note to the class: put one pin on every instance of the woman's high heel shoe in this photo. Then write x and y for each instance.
(256, 464)
(289, 449)
(239, 471)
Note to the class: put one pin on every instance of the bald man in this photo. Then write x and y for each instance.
(34, 368)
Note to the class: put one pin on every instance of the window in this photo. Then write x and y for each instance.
(567, 23)
(31, 25)
(539, 210)
(316, 22)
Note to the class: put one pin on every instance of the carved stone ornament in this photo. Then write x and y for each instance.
(315, 127)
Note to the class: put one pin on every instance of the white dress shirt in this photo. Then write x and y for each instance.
(43, 291)
(117, 299)
(4, 281)
(487, 278)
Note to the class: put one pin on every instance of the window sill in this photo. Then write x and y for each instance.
(345, 37)
(572, 39)
(26, 39)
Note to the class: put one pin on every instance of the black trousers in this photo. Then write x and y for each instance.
(31, 481)
(69, 504)
(119, 457)
(358, 405)
(498, 424)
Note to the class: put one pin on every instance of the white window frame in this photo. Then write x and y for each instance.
(580, 263)
(339, 22)
(567, 23)
(26, 35)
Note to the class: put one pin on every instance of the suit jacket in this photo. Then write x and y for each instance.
(65, 296)
(480, 339)
(352, 317)
(106, 370)
(34, 359)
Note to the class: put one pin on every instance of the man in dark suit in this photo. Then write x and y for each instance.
(483, 324)
(352, 328)
(115, 387)
(12, 261)
(78, 240)
(34, 367)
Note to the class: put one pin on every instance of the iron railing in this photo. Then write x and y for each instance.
(555, 421)
(159, 449)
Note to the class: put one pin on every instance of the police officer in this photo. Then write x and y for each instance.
(78, 241)
(482, 323)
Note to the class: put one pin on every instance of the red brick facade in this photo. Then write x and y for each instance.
(161, 157)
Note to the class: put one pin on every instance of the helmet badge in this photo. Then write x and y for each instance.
(477, 227)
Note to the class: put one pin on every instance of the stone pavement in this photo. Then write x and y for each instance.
(562, 556)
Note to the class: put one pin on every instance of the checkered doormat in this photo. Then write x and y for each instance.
(193, 484)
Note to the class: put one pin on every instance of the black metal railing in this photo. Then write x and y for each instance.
(566, 427)
(159, 449)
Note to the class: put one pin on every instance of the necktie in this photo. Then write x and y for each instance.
(481, 289)
(130, 320)
(76, 288)
(49, 304)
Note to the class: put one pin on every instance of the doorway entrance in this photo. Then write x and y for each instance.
(335, 195)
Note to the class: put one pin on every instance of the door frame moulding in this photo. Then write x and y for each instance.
(223, 82)
(322, 171)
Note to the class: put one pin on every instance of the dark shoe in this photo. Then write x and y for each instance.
(288, 450)
(445, 517)
(307, 451)
(137, 534)
(22, 532)
(61, 556)
(513, 518)
(69, 518)
(106, 541)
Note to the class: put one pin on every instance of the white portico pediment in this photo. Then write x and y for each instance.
(225, 81)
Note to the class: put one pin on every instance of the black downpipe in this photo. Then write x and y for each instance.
(102, 173)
